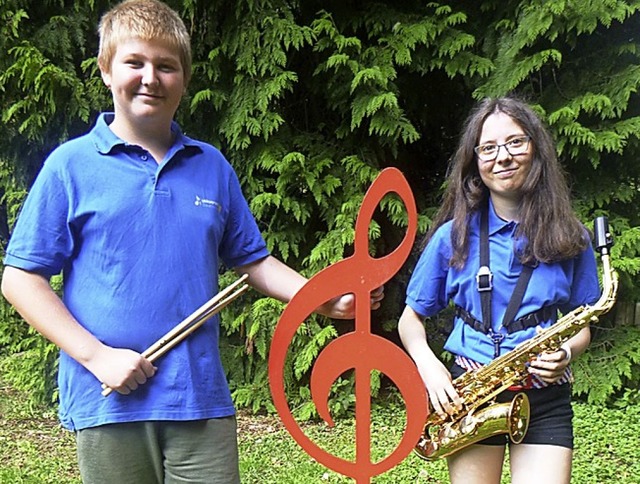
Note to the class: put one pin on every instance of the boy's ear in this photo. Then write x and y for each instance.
(105, 73)
(106, 78)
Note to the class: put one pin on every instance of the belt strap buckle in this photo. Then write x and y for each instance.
(525, 384)
(484, 279)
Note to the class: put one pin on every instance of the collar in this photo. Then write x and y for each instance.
(105, 139)
(497, 224)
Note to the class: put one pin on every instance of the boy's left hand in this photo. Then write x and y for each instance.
(344, 307)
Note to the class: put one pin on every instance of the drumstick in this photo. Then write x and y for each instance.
(193, 317)
(191, 323)
(162, 349)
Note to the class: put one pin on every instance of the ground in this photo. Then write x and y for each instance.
(27, 435)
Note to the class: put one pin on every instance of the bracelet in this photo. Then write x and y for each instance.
(567, 350)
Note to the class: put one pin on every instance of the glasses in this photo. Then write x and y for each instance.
(515, 146)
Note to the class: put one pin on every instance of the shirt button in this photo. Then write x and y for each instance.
(144, 157)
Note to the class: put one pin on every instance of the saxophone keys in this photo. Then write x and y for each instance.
(519, 415)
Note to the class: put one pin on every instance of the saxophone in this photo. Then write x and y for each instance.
(480, 417)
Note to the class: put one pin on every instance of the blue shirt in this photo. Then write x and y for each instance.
(139, 246)
(434, 284)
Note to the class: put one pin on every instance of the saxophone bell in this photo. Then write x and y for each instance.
(511, 418)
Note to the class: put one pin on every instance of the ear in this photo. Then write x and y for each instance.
(106, 77)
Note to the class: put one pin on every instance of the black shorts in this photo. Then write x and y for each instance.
(550, 418)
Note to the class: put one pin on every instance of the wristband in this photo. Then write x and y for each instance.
(567, 350)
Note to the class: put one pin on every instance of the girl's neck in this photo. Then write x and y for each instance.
(506, 208)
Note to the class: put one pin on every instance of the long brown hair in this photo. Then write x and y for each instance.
(547, 220)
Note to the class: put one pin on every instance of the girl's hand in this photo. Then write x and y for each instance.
(550, 366)
(443, 396)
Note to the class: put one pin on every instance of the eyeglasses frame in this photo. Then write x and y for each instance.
(504, 145)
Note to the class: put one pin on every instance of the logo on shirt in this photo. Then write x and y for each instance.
(204, 202)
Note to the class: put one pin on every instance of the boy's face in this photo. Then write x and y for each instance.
(146, 80)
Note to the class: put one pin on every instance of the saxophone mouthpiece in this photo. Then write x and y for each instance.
(603, 238)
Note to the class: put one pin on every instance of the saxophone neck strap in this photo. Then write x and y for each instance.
(484, 281)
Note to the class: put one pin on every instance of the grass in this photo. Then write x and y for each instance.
(34, 448)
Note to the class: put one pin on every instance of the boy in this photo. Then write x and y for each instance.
(115, 211)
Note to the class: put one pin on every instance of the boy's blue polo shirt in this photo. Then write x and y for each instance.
(566, 285)
(140, 246)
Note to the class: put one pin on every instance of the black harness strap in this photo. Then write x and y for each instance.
(484, 280)
(516, 297)
(527, 321)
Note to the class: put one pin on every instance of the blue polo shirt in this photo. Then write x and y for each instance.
(434, 284)
(139, 246)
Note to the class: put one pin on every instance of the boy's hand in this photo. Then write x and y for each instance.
(123, 370)
(344, 307)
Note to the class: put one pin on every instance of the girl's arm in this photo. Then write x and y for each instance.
(436, 377)
(551, 366)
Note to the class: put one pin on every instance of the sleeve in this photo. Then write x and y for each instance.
(41, 241)
(585, 288)
(242, 242)
(427, 291)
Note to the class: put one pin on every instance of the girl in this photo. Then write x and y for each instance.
(505, 172)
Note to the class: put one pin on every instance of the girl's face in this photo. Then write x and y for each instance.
(505, 175)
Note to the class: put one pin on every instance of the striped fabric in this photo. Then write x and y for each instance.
(532, 381)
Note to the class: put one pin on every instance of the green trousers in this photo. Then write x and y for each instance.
(201, 451)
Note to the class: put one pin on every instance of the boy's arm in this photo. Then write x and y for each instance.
(32, 296)
(275, 279)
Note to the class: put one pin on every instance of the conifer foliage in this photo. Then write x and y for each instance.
(309, 100)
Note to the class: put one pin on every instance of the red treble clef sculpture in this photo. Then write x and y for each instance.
(359, 350)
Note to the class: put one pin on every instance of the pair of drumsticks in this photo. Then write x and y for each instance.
(191, 323)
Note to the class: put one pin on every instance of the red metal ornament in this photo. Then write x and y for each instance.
(359, 350)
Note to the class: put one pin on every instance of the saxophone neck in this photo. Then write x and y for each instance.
(609, 285)
(603, 242)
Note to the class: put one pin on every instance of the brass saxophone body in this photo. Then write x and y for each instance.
(480, 417)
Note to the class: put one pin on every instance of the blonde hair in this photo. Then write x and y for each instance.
(145, 20)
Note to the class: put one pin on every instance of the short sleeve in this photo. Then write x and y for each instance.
(585, 288)
(242, 242)
(427, 290)
(41, 240)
